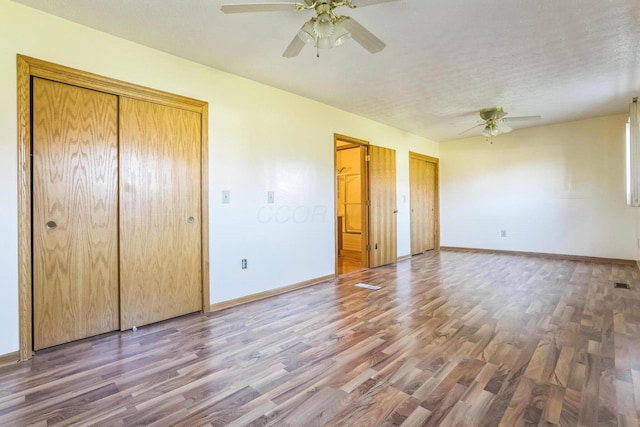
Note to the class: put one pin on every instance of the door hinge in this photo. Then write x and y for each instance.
(368, 203)
(367, 158)
(368, 248)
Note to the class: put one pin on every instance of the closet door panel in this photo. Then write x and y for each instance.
(160, 224)
(75, 217)
(428, 205)
(416, 184)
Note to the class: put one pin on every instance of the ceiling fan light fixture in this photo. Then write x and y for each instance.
(323, 25)
(340, 34)
(324, 42)
(306, 33)
(490, 131)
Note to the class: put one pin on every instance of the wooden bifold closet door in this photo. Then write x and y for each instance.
(116, 218)
(75, 213)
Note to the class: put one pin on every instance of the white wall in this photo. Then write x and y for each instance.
(555, 189)
(260, 139)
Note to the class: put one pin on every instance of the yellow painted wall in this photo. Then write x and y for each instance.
(554, 189)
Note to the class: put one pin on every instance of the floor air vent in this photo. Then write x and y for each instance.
(620, 285)
(364, 285)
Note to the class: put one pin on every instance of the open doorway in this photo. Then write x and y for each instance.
(351, 204)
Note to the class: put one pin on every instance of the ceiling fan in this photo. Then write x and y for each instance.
(325, 30)
(493, 120)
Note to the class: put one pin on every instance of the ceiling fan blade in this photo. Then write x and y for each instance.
(503, 128)
(364, 37)
(261, 7)
(294, 48)
(521, 118)
(363, 3)
(471, 128)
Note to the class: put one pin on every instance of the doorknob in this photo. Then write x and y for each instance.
(396, 211)
(191, 220)
(51, 225)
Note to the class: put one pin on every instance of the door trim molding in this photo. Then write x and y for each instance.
(27, 68)
(424, 157)
(349, 139)
(436, 219)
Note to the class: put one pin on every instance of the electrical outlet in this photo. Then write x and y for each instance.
(503, 233)
(226, 197)
(244, 264)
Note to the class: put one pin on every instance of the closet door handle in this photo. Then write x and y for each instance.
(51, 225)
(191, 220)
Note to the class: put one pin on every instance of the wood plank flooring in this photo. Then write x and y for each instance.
(451, 339)
(349, 261)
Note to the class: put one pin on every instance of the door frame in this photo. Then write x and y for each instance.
(27, 68)
(364, 183)
(436, 208)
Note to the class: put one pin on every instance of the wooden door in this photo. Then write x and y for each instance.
(382, 209)
(160, 223)
(422, 183)
(75, 216)
(364, 196)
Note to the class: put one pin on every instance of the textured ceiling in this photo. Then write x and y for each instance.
(445, 60)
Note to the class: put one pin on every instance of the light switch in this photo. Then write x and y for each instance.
(226, 196)
(271, 197)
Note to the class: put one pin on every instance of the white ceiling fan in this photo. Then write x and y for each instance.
(493, 120)
(325, 30)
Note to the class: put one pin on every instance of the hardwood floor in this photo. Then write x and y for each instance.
(349, 261)
(451, 339)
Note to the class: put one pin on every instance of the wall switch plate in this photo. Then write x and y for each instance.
(244, 263)
(271, 197)
(226, 196)
(503, 233)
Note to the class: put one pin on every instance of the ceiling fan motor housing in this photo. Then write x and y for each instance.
(492, 114)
